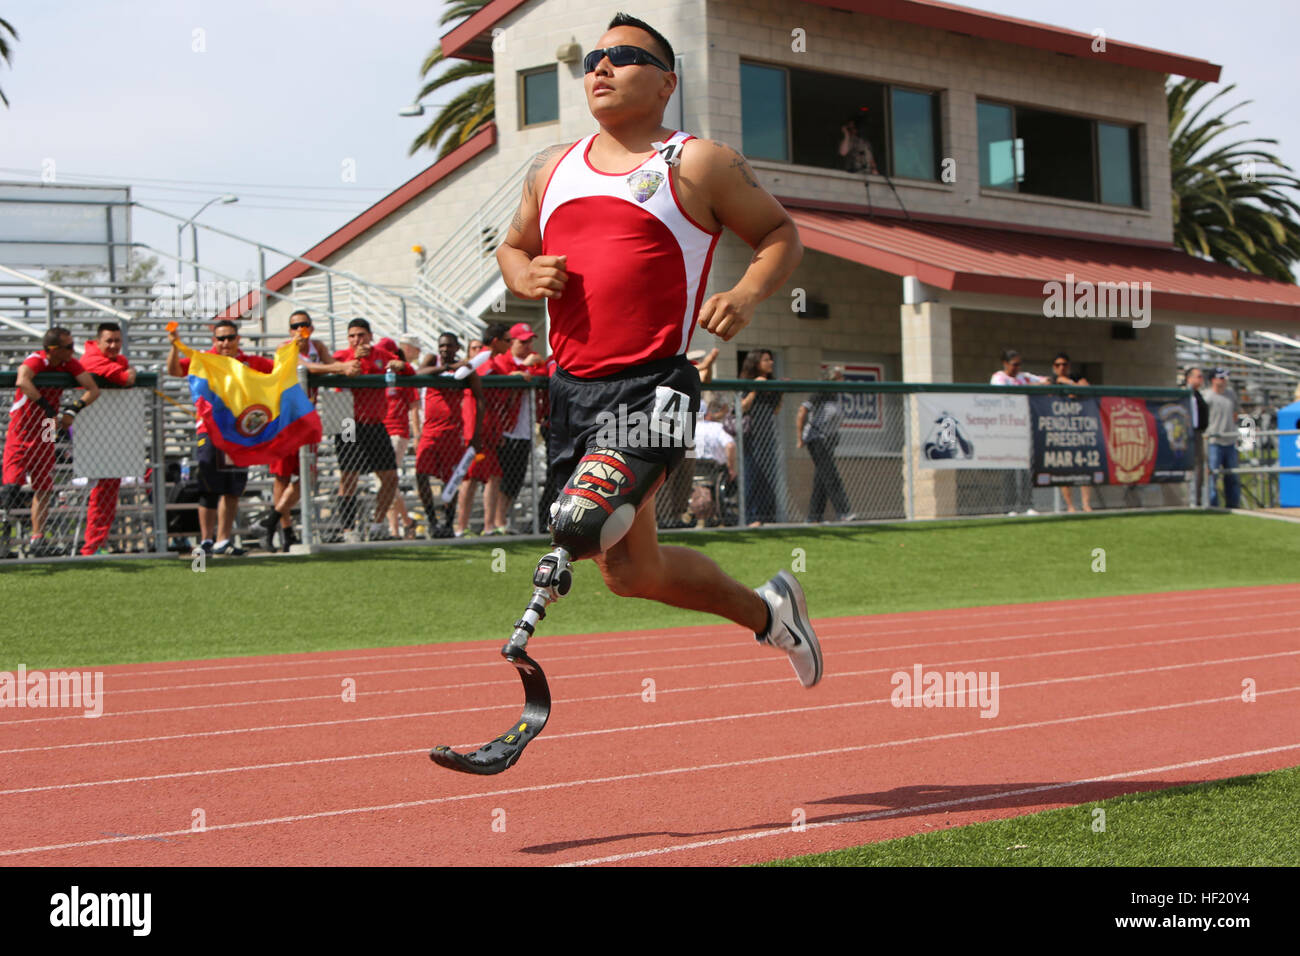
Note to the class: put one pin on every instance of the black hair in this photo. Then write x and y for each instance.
(1009, 354)
(749, 368)
(107, 327)
(450, 335)
(496, 330)
(1061, 355)
(359, 323)
(220, 322)
(53, 338)
(624, 20)
(302, 312)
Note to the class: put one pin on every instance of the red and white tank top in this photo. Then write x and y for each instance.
(637, 263)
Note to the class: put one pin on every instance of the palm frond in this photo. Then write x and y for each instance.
(1233, 202)
(471, 109)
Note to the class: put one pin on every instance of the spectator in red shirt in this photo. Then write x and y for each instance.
(285, 487)
(442, 437)
(488, 426)
(369, 449)
(220, 482)
(399, 422)
(29, 440)
(103, 357)
(517, 414)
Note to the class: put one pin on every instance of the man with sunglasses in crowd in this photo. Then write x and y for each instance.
(29, 440)
(617, 232)
(220, 482)
(285, 488)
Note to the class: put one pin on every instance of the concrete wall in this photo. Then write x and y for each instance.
(979, 337)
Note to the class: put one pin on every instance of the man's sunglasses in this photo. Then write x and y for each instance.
(622, 56)
(225, 338)
(299, 325)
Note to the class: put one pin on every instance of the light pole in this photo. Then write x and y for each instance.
(417, 109)
(194, 241)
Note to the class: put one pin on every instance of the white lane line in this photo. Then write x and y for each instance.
(537, 788)
(1001, 615)
(510, 682)
(685, 649)
(625, 729)
(956, 802)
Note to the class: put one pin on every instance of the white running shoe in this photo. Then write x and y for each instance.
(791, 631)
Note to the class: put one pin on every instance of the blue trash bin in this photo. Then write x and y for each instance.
(1288, 456)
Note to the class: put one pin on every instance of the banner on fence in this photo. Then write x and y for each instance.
(963, 430)
(863, 431)
(1109, 440)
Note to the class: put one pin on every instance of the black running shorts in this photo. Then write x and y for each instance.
(647, 411)
(371, 451)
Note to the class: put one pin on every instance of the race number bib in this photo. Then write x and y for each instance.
(673, 417)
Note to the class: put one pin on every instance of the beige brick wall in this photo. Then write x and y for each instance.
(979, 337)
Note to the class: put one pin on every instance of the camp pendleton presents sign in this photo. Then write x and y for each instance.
(1109, 440)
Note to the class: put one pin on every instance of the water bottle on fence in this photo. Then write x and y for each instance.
(185, 471)
(390, 381)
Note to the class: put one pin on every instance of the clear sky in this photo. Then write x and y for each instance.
(287, 96)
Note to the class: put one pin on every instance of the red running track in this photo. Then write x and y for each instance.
(262, 761)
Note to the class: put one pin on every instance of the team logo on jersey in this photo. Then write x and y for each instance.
(252, 420)
(644, 184)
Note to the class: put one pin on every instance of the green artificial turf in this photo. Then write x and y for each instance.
(1242, 821)
(89, 614)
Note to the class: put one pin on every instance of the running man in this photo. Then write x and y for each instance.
(629, 227)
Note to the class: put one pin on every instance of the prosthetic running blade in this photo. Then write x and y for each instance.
(502, 752)
(551, 581)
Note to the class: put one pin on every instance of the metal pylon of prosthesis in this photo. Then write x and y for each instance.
(551, 581)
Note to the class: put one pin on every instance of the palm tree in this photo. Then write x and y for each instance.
(5, 48)
(471, 109)
(1230, 201)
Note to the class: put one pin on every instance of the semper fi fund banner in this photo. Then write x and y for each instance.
(1109, 440)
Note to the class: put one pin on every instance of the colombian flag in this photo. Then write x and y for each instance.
(256, 418)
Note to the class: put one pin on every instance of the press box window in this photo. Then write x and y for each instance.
(1053, 154)
(539, 96)
(801, 117)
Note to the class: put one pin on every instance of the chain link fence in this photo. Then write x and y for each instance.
(86, 485)
(129, 476)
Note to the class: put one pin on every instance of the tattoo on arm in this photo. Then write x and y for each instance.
(517, 223)
(536, 166)
(738, 162)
